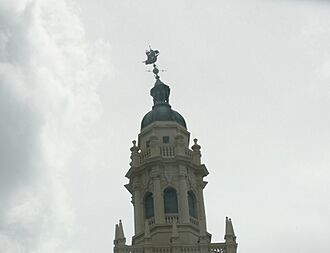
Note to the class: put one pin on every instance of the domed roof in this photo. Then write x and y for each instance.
(162, 112)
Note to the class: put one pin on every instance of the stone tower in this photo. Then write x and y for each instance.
(166, 180)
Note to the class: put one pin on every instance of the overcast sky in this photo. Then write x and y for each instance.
(251, 78)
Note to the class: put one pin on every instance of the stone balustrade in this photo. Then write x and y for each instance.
(161, 250)
(217, 248)
(213, 248)
(189, 249)
(188, 152)
(194, 221)
(151, 221)
(144, 155)
(171, 218)
(134, 249)
(165, 151)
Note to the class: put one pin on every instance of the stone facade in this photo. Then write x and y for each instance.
(166, 184)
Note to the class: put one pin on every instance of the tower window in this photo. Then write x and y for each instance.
(166, 139)
(149, 205)
(170, 200)
(192, 204)
(148, 144)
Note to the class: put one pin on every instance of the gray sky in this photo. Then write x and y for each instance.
(251, 78)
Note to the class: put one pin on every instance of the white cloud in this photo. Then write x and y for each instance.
(49, 76)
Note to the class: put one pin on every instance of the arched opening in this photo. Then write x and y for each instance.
(148, 205)
(192, 204)
(170, 200)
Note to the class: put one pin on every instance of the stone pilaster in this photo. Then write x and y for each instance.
(158, 198)
(154, 146)
(183, 191)
(147, 238)
(201, 211)
(138, 210)
(175, 239)
(179, 145)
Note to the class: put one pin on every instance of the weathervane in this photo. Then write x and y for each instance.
(151, 59)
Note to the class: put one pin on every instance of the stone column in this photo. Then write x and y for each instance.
(183, 191)
(158, 201)
(138, 211)
(201, 211)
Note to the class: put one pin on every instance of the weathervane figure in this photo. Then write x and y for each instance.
(151, 56)
(151, 59)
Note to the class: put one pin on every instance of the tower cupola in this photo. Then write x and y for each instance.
(161, 110)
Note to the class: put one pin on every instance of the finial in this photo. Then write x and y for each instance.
(119, 235)
(229, 234)
(196, 147)
(155, 71)
(120, 230)
(134, 148)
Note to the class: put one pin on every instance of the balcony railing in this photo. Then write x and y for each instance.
(145, 155)
(189, 249)
(188, 152)
(134, 249)
(151, 221)
(213, 248)
(194, 221)
(171, 218)
(165, 151)
(161, 250)
(217, 248)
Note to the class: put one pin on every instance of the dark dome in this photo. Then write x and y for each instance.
(162, 112)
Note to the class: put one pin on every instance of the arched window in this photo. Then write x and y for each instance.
(148, 205)
(192, 204)
(170, 200)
